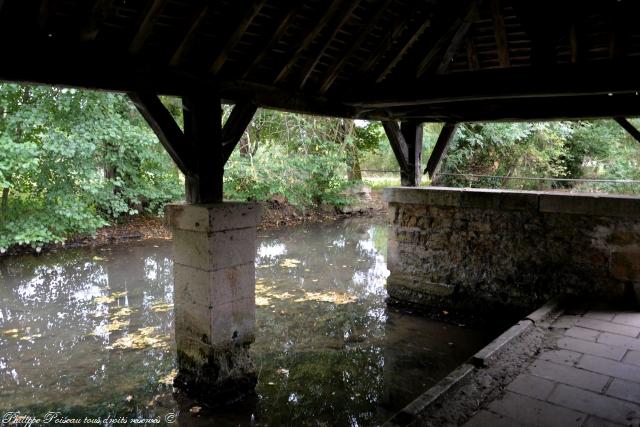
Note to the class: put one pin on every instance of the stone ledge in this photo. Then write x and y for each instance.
(510, 200)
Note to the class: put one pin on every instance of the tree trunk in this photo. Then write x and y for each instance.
(5, 200)
(354, 173)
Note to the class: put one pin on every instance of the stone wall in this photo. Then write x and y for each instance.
(478, 249)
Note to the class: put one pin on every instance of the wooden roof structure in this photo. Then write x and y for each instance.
(426, 60)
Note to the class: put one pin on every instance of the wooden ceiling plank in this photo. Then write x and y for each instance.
(146, 25)
(500, 33)
(236, 35)
(306, 40)
(458, 38)
(313, 61)
(275, 38)
(188, 38)
(402, 51)
(333, 72)
(98, 14)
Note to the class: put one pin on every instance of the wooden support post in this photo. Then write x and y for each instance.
(630, 128)
(445, 137)
(406, 143)
(201, 151)
(412, 133)
(203, 128)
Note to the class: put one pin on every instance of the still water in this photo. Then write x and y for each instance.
(89, 332)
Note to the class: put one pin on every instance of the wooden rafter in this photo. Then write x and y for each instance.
(275, 37)
(573, 43)
(45, 13)
(308, 37)
(457, 38)
(472, 54)
(146, 25)
(370, 24)
(447, 42)
(629, 127)
(236, 35)
(500, 33)
(439, 150)
(313, 61)
(399, 54)
(196, 21)
(98, 14)
(165, 127)
(236, 124)
(390, 38)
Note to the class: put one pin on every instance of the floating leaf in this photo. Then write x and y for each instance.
(168, 379)
(142, 338)
(290, 263)
(262, 301)
(195, 409)
(161, 307)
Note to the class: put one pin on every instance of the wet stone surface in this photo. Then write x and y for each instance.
(90, 332)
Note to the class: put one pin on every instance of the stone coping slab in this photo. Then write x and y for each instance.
(536, 201)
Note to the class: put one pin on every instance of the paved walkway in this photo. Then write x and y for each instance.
(591, 378)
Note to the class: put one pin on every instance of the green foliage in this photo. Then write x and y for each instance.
(597, 149)
(70, 161)
(300, 157)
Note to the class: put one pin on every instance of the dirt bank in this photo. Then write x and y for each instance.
(275, 213)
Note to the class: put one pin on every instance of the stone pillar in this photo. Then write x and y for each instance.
(214, 273)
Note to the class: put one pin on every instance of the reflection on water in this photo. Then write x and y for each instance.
(90, 333)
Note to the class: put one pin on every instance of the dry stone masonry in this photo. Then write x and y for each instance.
(480, 249)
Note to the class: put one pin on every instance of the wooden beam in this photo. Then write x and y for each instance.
(166, 129)
(445, 137)
(500, 33)
(196, 21)
(369, 25)
(203, 128)
(629, 127)
(412, 133)
(448, 41)
(398, 144)
(146, 25)
(98, 14)
(252, 11)
(523, 83)
(234, 128)
(309, 36)
(399, 54)
(313, 60)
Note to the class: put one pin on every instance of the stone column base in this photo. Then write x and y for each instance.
(214, 276)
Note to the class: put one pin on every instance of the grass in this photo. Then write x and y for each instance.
(378, 182)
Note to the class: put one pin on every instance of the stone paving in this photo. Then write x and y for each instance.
(589, 377)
